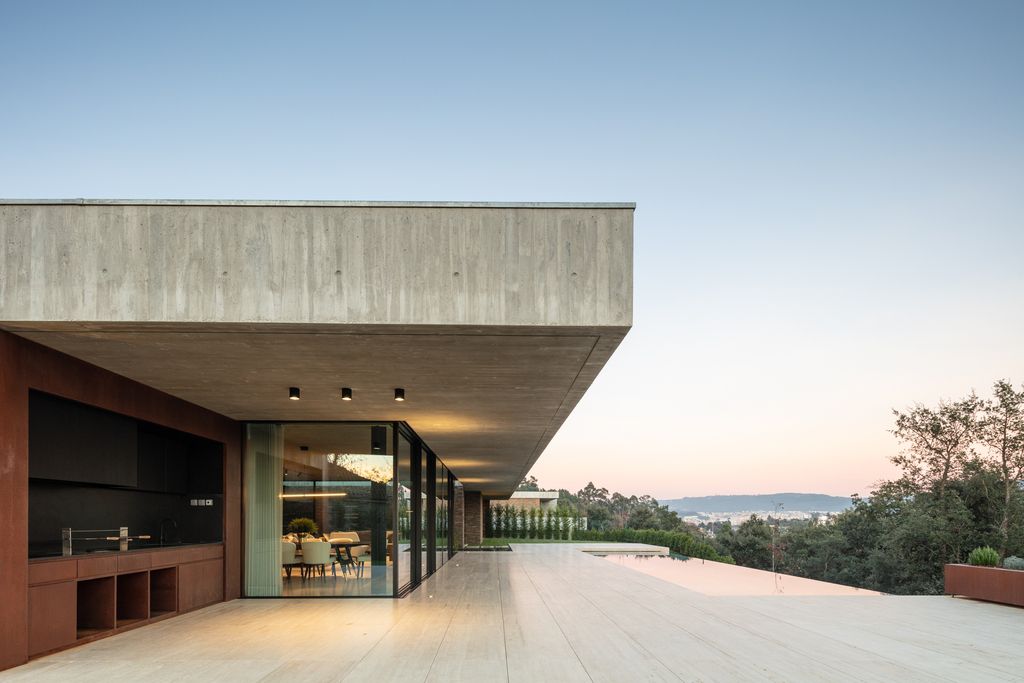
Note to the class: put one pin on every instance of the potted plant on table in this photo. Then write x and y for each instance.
(302, 526)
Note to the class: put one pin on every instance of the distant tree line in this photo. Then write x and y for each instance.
(595, 514)
(962, 465)
(601, 510)
(607, 511)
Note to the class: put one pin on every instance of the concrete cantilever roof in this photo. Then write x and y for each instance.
(335, 203)
(495, 318)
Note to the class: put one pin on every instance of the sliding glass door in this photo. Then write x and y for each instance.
(320, 510)
(342, 509)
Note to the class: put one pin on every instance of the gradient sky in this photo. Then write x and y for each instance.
(830, 196)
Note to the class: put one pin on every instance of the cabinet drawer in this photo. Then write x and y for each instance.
(97, 566)
(131, 563)
(206, 552)
(165, 558)
(48, 572)
(51, 616)
(213, 552)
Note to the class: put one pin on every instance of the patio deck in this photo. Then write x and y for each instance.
(551, 612)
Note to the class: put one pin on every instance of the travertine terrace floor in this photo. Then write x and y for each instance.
(553, 613)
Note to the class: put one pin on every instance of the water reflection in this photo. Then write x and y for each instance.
(716, 578)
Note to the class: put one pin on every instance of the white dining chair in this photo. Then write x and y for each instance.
(315, 556)
(288, 557)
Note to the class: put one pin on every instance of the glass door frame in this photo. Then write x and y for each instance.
(418, 448)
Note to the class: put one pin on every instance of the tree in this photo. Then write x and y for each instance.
(620, 507)
(599, 517)
(813, 550)
(568, 503)
(591, 494)
(641, 517)
(936, 442)
(1001, 435)
(528, 484)
(750, 544)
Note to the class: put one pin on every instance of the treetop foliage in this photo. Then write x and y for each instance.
(960, 488)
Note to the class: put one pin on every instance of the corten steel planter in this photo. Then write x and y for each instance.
(993, 584)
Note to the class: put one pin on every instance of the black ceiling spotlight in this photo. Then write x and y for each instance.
(378, 439)
(303, 448)
(293, 393)
(399, 394)
(346, 393)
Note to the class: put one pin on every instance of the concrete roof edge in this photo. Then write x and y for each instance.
(322, 203)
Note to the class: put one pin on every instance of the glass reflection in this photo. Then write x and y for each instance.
(425, 512)
(332, 510)
(405, 511)
(336, 510)
(441, 514)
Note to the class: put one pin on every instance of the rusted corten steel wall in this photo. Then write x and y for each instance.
(25, 365)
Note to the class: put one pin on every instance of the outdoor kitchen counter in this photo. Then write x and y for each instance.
(80, 598)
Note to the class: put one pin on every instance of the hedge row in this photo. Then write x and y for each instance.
(676, 541)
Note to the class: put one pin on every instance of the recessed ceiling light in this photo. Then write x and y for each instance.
(346, 393)
(293, 393)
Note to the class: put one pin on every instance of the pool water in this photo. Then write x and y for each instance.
(716, 578)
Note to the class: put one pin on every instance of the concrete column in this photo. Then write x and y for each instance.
(474, 518)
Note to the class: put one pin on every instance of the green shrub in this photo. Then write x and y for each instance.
(504, 523)
(1014, 562)
(984, 557)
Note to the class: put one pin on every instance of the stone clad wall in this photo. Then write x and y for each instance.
(519, 503)
(474, 517)
(459, 521)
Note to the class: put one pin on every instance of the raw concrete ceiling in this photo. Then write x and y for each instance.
(487, 400)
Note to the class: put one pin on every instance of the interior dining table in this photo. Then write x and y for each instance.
(338, 544)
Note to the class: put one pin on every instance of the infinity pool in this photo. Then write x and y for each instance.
(716, 578)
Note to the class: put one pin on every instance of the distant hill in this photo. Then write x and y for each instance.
(791, 502)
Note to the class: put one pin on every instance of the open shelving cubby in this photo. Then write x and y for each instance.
(163, 591)
(132, 598)
(96, 608)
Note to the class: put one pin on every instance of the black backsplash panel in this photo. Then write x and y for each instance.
(53, 505)
(92, 469)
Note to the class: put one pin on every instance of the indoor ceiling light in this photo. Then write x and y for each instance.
(312, 495)
(293, 393)
(346, 393)
(399, 394)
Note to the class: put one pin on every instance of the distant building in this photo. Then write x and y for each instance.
(529, 500)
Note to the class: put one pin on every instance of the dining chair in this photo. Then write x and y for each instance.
(315, 556)
(288, 557)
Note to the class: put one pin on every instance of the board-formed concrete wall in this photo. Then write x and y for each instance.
(307, 262)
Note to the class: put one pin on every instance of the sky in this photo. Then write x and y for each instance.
(830, 196)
